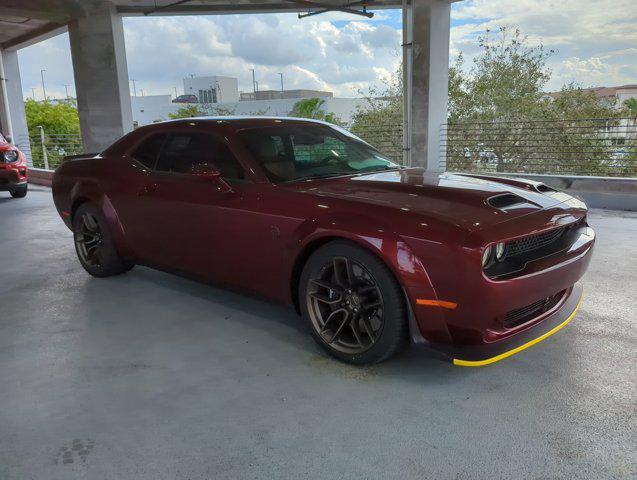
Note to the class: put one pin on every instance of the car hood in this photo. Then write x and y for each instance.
(471, 202)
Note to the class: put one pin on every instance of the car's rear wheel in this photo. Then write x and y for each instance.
(353, 303)
(94, 245)
(20, 192)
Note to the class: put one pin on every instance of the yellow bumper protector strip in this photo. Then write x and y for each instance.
(497, 358)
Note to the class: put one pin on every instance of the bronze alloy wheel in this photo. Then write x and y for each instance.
(89, 240)
(345, 306)
(94, 245)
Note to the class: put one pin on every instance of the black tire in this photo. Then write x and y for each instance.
(322, 297)
(94, 244)
(20, 192)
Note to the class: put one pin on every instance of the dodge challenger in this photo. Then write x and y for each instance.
(372, 254)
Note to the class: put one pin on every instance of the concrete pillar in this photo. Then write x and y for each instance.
(14, 121)
(426, 25)
(101, 77)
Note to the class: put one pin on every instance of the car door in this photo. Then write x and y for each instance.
(191, 220)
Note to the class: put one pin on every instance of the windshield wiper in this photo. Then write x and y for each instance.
(316, 176)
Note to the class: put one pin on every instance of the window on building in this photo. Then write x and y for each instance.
(208, 96)
(183, 151)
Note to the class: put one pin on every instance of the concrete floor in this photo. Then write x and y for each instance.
(151, 376)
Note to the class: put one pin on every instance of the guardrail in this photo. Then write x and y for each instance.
(596, 146)
(46, 151)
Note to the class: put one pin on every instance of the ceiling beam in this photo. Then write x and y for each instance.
(54, 16)
(319, 8)
(37, 35)
(240, 8)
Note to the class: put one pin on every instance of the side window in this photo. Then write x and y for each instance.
(148, 151)
(183, 151)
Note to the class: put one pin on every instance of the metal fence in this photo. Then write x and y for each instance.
(599, 146)
(596, 146)
(387, 138)
(47, 150)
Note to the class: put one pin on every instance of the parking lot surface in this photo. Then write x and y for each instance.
(152, 376)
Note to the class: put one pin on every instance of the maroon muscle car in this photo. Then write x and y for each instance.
(371, 253)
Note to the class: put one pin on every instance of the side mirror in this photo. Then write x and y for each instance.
(208, 172)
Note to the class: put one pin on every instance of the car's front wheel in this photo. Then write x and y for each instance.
(94, 244)
(20, 192)
(353, 303)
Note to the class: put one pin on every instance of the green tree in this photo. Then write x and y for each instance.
(61, 126)
(188, 111)
(631, 106)
(55, 118)
(500, 118)
(380, 121)
(313, 108)
(630, 159)
(505, 83)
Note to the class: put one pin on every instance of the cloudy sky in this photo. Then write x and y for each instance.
(595, 41)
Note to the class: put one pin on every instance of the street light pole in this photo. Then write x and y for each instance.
(43, 88)
(134, 87)
(254, 84)
(281, 75)
(66, 89)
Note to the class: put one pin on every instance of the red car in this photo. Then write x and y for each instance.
(371, 253)
(13, 170)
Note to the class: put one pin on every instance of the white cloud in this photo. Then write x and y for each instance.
(311, 53)
(595, 42)
(593, 39)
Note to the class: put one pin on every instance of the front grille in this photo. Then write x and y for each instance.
(533, 242)
(522, 315)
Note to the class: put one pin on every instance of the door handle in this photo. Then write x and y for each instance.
(148, 189)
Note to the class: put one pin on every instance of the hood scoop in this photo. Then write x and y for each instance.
(508, 202)
(542, 188)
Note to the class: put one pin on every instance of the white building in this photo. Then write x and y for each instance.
(156, 108)
(213, 89)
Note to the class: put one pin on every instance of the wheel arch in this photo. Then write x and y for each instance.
(88, 193)
(312, 246)
(77, 203)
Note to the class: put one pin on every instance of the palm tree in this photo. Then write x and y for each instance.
(631, 105)
(313, 108)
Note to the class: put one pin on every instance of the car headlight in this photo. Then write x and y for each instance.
(10, 156)
(486, 256)
(499, 251)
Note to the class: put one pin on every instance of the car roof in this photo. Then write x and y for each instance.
(246, 120)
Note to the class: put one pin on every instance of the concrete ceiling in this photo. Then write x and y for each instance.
(24, 20)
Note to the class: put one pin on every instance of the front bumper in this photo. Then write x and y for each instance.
(10, 178)
(485, 354)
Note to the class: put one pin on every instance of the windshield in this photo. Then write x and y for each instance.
(292, 152)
